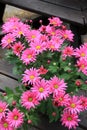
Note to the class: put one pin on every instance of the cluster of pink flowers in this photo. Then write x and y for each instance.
(47, 38)
(9, 120)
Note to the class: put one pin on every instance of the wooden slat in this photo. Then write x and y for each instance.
(73, 4)
(48, 9)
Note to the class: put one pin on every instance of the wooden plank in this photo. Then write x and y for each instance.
(48, 9)
(5, 66)
(73, 4)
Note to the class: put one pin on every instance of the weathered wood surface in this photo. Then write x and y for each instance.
(70, 12)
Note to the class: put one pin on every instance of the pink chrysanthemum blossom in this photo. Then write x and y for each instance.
(41, 89)
(67, 51)
(10, 25)
(67, 35)
(61, 99)
(7, 40)
(21, 29)
(57, 85)
(3, 109)
(18, 48)
(29, 100)
(74, 105)
(55, 21)
(82, 65)
(38, 46)
(28, 55)
(15, 118)
(83, 102)
(42, 70)
(70, 120)
(81, 52)
(4, 124)
(32, 35)
(31, 76)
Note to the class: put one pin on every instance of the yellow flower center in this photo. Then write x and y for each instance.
(38, 47)
(73, 105)
(20, 32)
(69, 118)
(56, 86)
(33, 36)
(1, 110)
(41, 89)
(32, 77)
(5, 125)
(52, 46)
(53, 33)
(29, 56)
(9, 40)
(61, 99)
(82, 66)
(15, 117)
(30, 99)
(65, 36)
(82, 54)
(54, 23)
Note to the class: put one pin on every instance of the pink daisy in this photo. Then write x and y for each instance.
(3, 109)
(31, 76)
(67, 51)
(28, 55)
(38, 46)
(4, 125)
(74, 105)
(81, 52)
(29, 100)
(41, 89)
(70, 120)
(82, 65)
(15, 118)
(67, 35)
(18, 48)
(55, 21)
(7, 40)
(57, 85)
(61, 99)
(83, 102)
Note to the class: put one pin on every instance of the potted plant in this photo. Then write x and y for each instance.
(50, 71)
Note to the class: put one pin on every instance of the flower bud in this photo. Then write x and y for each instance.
(29, 121)
(78, 82)
(54, 114)
(13, 103)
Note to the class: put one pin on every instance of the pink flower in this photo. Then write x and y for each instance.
(67, 51)
(4, 124)
(70, 120)
(41, 89)
(31, 76)
(42, 70)
(81, 52)
(18, 48)
(29, 100)
(61, 99)
(55, 21)
(32, 35)
(57, 85)
(38, 46)
(15, 118)
(82, 65)
(7, 40)
(28, 55)
(83, 102)
(74, 105)
(67, 35)
(3, 109)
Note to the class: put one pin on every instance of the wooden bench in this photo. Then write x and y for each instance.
(72, 11)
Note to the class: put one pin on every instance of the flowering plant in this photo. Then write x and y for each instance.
(50, 72)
